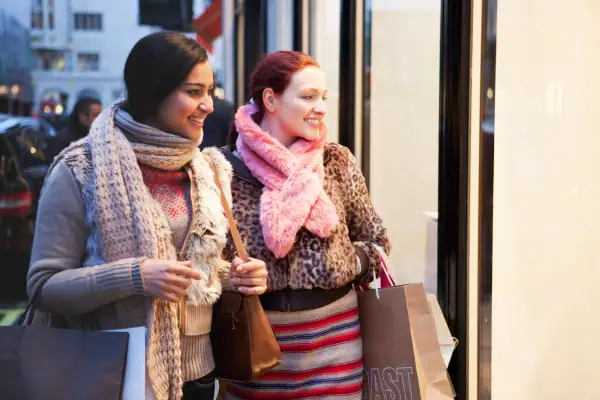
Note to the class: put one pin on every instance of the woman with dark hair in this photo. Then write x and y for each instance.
(130, 228)
(303, 207)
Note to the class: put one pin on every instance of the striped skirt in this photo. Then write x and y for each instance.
(322, 356)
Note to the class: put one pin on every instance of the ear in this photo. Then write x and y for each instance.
(268, 98)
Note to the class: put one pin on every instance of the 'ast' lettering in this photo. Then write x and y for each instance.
(388, 383)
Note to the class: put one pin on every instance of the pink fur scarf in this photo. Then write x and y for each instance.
(293, 195)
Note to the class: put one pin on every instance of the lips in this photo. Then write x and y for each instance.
(312, 121)
(197, 121)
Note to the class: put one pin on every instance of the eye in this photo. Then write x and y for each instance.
(194, 92)
(325, 98)
(307, 97)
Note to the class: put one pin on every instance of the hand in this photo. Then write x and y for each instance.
(167, 280)
(251, 277)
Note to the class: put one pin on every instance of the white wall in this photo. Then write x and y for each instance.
(546, 258)
(120, 31)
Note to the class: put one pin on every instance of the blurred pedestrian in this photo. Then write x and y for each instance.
(218, 124)
(84, 112)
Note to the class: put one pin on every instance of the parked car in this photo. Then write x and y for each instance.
(27, 148)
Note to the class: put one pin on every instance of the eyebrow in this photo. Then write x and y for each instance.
(316, 90)
(202, 85)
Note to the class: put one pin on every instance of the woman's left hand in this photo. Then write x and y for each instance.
(250, 277)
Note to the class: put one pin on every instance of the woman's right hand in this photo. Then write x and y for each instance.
(167, 280)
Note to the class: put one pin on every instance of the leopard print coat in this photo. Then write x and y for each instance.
(314, 262)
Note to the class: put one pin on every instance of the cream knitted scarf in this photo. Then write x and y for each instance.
(131, 224)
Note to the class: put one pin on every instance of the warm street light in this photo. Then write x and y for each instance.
(15, 89)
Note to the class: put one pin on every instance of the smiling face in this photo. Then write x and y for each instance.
(183, 112)
(300, 109)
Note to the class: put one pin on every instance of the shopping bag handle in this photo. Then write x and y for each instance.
(27, 316)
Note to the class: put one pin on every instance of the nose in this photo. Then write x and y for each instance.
(206, 105)
(320, 108)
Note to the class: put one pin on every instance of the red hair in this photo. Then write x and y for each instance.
(275, 71)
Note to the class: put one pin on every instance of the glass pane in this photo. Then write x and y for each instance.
(88, 62)
(78, 21)
(325, 48)
(403, 111)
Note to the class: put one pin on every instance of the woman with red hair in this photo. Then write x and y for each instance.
(302, 206)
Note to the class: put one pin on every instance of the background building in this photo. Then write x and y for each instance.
(15, 58)
(79, 47)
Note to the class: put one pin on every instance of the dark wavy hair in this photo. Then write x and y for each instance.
(155, 67)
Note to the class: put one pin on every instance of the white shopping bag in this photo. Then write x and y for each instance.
(135, 386)
(447, 342)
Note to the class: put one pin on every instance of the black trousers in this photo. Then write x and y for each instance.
(200, 389)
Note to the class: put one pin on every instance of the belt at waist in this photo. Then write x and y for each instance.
(303, 299)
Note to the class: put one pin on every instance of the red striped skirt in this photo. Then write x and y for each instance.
(322, 356)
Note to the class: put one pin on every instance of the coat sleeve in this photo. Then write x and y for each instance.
(365, 226)
(58, 251)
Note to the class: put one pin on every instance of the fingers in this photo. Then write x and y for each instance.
(178, 291)
(249, 281)
(177, 280)
(170, 297)
(186, 272)
(251, 265)
(252, 290)
(256, 273)
(236, 262)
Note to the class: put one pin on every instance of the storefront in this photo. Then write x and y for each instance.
(398, 75)
(475, 128)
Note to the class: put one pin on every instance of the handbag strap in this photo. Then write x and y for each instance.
(235, 234)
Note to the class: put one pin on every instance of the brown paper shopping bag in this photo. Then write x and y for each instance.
(402, 357)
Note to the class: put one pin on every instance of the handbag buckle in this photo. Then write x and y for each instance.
(234, 319)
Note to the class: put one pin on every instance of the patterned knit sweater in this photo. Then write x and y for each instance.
(171, 190)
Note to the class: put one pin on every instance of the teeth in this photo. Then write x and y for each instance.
(199, 121)
(311, 121)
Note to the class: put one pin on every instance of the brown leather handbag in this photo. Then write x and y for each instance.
(243, 341)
